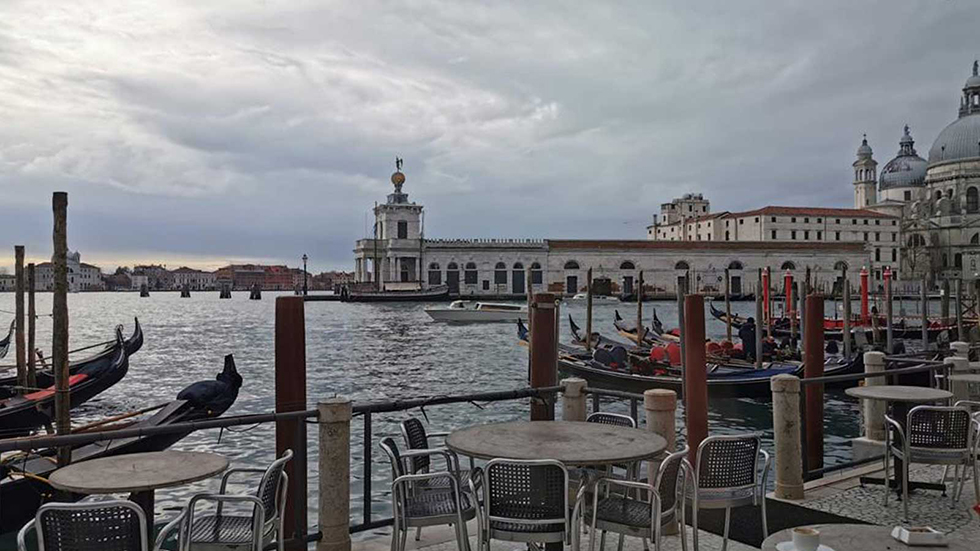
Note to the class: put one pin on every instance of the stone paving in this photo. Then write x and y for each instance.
(443, 539)
(847, 497)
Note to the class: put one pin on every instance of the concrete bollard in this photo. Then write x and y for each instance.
(661, 407)
(960, 349)
(333, 510)
(573, 406)
(874, 410)
(787, 435)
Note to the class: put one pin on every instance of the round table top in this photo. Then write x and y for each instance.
(138, 472)
(846, 537)
(572, 443)
(899, 393)
(965, 378)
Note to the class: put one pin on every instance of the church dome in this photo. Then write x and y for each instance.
(961, 139)
(907, 169)
(864, 150)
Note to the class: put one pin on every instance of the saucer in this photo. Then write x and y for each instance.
(788, 546)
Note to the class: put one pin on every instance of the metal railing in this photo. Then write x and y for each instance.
(634, 400)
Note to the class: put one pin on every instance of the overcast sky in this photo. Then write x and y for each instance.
(206, 132)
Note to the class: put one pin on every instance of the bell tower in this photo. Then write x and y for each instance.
(865, 176)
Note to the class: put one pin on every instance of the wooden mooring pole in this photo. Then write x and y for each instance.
(544, 353)
(639, 312)
(758, 322)
(924, 299)
(728, 305)
(31, 328)
(944, 302)
(888, 311)
(588, 312)
(19, 316)
(695, 374)
(813, 368)
(59, 313)
(290, 378)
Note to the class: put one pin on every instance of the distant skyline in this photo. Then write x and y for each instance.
(200, 134)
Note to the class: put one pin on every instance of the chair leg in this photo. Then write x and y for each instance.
(602, 541)
(622, 540)
(887, 455)
(765, 521)
(395, 534)
(694, 524)
(905, 489)
(976, 480)
(418, 533)
(728, 520)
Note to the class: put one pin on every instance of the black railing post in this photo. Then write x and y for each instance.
(634, 413)
(366, 471)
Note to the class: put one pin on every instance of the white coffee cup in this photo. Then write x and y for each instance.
(806, 539)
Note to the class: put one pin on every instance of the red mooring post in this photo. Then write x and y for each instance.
(695, 374)
(865, 317)
(291, 396)
(544, 353)
(765, 299)
(813, 362)
(788, 294)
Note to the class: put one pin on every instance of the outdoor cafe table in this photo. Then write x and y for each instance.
(138, 473)
(860, 537)
(900, 398)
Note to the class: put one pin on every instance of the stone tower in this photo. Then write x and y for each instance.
(865, 176)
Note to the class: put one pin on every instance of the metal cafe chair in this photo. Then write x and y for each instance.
(115, 525)
(933, 435)
(632, 470)
(727, 475)
(415, 503)
(974, 407)
(220, 530)
(524, 501)
(630, 516)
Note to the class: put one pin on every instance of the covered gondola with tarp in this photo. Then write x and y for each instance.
(5, 343)
(22, 413)
(23, 477)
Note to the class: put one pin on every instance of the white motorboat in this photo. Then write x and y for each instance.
(461, 311)
(585, 296)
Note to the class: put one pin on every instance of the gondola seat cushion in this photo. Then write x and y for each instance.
(48, 392)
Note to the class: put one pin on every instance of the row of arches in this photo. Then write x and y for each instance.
(972, 198)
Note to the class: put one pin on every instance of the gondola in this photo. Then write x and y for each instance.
(630, 332)
(22, 413)
(23, 478)
(598, 340)
(45, 377)
(5, 343)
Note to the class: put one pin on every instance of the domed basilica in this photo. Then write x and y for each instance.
(938, 200)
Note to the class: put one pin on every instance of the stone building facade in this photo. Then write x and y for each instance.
(81, 276)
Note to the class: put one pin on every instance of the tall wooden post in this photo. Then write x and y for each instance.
(924, 298)
(290, 378)
(944, 302)
(888, 311)
(794, 309)
(683, 337)
(31, 328)
(813, 368)
(728, 305)
(864, 296)
(59, 313)
(639, 312)
(695, 374)
(19, 316)
(588, 311)
(959, 310)
(758, 323)
(766, 303)
(847, 319)
(544, 353)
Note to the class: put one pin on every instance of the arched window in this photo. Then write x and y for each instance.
(402, 229)
(734, 265)
(518, 266)
(682, 265)
(788, 266)
(939, 195)
(949, 193)
(972, 200)
(537, 276)
(627, 265)
(571, 265)
(435, 276)
(500, 274)
(975, 240)
(958, 260)
(452, 267)
(840, 265)
(469, 274)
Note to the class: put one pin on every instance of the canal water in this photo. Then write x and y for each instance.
(365, 351)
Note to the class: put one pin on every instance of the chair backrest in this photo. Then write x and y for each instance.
(939, 427)
(617, 419)
(95, 526)
(270, 484)
(728, 461)
(416, 439)
(508, 491)
(666, 481)
(394, 456)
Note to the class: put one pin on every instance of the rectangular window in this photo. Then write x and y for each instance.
(469, 277)
(536, 277)
(435, 277)
(837, 221)
(486, 284)
(894, 237)
(908, 195)
(773, 218)
(865, 221)
(500, 277)
(894, 255)
(854, 221)
(877, 236)
(877, 255)
(741, 221)
(793, 219)
(402, 229)
(806, 235)
(819, 220)
(756, 219)
(865, 236)
(792, 234)
(877, 222)
(806, 220)
(894, 222)
(819, 236)
(774, 234)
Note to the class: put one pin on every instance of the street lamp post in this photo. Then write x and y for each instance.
(305, 258)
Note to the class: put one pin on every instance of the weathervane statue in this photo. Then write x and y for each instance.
(398, 163)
